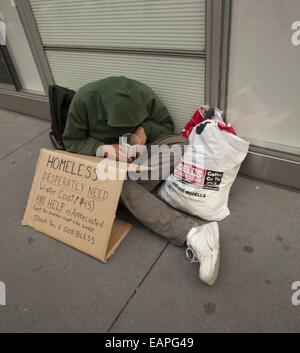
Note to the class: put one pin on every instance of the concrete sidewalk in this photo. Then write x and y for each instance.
(147, 286)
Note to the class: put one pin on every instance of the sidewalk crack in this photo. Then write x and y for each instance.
(136, 289)
(35, 137)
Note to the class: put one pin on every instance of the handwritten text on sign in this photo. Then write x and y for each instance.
(66, 198)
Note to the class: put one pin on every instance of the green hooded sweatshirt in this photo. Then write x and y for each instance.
(103, 110)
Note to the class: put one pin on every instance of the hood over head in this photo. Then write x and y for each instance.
(123, 103)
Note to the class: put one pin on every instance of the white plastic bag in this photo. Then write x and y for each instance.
(200, 186)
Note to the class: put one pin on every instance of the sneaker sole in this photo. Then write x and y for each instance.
(212, 279)
(215, 240)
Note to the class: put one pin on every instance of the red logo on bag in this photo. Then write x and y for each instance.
(190, 173)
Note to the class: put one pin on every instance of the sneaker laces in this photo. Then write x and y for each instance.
(190, 255)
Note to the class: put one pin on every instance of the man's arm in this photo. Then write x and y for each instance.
(75, 136)
(159, 124)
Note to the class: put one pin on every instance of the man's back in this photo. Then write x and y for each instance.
(101, 110)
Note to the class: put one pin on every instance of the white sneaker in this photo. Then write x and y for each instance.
(203, 245)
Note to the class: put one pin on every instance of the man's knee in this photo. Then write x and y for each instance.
(181, 140)
(172, 140)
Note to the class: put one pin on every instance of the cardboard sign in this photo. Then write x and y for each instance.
(68, 202)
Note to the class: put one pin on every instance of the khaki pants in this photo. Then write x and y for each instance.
(155, 214)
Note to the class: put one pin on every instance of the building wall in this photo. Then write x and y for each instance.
(161, 43)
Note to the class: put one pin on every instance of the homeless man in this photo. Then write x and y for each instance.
(104, 110)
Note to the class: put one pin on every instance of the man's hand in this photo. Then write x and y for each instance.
(142, 138)
(115, 152)
(140, 133)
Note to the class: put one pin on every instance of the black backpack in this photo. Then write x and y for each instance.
(60, 99)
